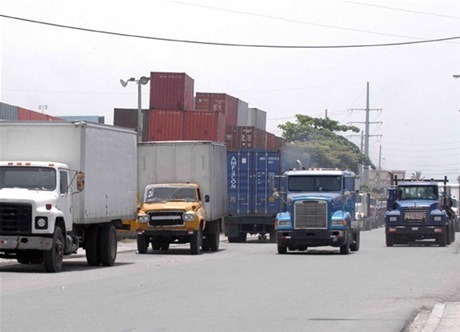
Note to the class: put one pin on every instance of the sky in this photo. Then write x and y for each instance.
(317, 58)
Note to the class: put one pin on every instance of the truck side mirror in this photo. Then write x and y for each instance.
(206, 198)
(80, 181)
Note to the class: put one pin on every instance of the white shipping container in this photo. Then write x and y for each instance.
(107, 155)
(201, 162)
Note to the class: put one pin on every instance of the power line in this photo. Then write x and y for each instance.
(228, 44)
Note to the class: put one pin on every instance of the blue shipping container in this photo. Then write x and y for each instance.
(249, 191)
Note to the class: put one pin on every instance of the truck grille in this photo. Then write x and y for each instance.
(310, 214)
(166, 218)
(415, 215)
(15, 219)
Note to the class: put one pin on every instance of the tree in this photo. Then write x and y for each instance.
(417, 175)
(317, 140)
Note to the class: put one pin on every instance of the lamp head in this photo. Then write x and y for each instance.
(125, 83)
(144, 80)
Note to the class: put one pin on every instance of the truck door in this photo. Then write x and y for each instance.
(64, 199)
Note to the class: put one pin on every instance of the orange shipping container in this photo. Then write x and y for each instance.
(165, 125)
(204, 125)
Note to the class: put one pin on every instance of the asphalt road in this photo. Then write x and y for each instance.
(243, 287)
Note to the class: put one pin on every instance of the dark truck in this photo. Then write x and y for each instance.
(417, 211)
(319, 210)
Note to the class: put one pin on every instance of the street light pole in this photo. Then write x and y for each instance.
(142, 81)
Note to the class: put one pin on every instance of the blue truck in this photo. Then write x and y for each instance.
(319, 210)
(416, 210)
(251, 207)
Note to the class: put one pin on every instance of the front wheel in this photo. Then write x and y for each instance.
(142, 244)
(282, 250)
(53, 258)
(356, 241)
(195, 243)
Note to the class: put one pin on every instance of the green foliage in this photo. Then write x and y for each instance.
(317, 138)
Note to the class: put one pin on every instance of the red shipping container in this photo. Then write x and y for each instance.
(251, 138)
(204, 126)
(231, 137)
(218, 102)
(24, 114)
(171, 91)
(165, 125)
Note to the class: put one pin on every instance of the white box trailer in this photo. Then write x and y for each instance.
(201, 162)
(64, 185)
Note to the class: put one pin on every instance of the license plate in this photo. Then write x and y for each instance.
(415, 228)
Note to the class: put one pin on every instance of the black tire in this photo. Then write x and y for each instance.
(214, 241)
(242, 237)
(108, 245)
(196, 241)
(53, 258)
(442, 240)
(164, 246)
(272, 236)
(356, 242)
(233, 239)
(282, 250)
(92, 245)
(142, 244)
(205, 244)
(345, 249)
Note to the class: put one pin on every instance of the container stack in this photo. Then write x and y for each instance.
(12, 113)
(175, 114)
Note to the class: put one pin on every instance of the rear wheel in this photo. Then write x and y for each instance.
(441, 240)
(214, 240)
(53, 258)
(345, 249)
(91, 245)
(356, 241)
(142, 244)
(108, 245)
(389, 241)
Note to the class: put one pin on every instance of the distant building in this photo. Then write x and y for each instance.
(87, 118)
(380, 179)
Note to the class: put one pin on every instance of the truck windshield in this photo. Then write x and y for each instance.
(315, 183)
(34, 178)
(162, 194)
(418, 192)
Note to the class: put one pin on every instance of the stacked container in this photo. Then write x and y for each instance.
(171, 91)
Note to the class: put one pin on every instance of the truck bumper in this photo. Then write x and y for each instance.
(166, 233)
(302, 238)
(21, 242)
(416, 232)
(233, 225)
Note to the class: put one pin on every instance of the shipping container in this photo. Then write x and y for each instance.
(242, 118)
(251, 138)
(127, 118)
(165, 125)
(218, 102)
(8, 112)
(28, 115)
(231, 137)
(252, 117)
(204, 126)
(171, 91)
(251, 208)
(274, 142)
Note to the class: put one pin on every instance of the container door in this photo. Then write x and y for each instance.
(238, 166)
(266, 164)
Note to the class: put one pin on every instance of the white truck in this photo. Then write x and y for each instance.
(64, 186)
(185, 197)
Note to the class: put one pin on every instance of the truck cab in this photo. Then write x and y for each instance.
(174, 213)
(35, 200)
(416, 210)
(319, 210)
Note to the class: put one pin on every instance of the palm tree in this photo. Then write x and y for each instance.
(417, 175)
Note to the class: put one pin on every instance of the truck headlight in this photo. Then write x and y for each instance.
(188, 217)
(143, 218)
(41, 222)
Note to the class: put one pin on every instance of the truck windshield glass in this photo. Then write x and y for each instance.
(314, 183)
(34, 178)
(418, 192)
(161, 194)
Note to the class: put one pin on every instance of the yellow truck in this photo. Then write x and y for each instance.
(185, 195)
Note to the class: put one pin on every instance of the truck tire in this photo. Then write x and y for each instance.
(53, 258)
(142, 244)
(356, 242)
(282, 250)
(389, 241)
(108, 245)
(345, 249)
(233, 239)
(196, 241)
(156, 245)
(441, 240)
(272, 236)
(91, 245)
(213, 241)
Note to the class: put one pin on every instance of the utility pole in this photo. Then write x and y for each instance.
(367, 135)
